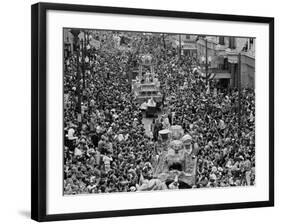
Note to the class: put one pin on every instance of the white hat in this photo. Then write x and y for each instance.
(133, 188)
(186, 139)
(213, 176)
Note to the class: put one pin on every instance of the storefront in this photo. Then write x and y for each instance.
(222, 80)
(189, 49)
(247, 67)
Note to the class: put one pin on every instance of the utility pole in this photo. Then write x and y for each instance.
(75, 33)
(206, 64)
(179, 46)
(83, 59)
(239, 94)
(78, 80)
(164, 43)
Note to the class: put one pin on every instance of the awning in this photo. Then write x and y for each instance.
(222, 76)
(189, 49)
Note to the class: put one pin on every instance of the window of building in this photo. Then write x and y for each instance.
(251, 43)
(225, 64)
(221, 40)
(232, 43)
(187, 36)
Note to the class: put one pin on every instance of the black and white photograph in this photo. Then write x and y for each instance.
(157, 111)
(140, 112)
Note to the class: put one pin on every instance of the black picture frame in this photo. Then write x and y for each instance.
(38, 110)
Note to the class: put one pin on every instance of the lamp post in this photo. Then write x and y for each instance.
(206, 61)
(236, 58)
(179, 46)
(83, 43)
(163, 38)
(75, 33)
(239, 93)
(206, 64)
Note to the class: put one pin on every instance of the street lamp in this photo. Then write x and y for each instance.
(239, 93)
(75, 33)
(236, 58)
(207, 61)
(179, 46)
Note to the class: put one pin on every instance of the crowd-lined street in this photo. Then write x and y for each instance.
(111, 146)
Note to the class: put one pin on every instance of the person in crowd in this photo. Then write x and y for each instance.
(106, 148)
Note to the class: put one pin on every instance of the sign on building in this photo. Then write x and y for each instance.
(232, 58)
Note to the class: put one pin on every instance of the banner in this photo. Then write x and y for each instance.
(95, 43)
(232, 58)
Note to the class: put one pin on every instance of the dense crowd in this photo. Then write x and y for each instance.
(106, 148)
(225, 145)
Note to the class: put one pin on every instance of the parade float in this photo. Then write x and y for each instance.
(177, 161)
(146, 86)
(175, 166)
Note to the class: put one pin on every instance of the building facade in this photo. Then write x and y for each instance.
(223, 59)
(185, 43)
(68, 40)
